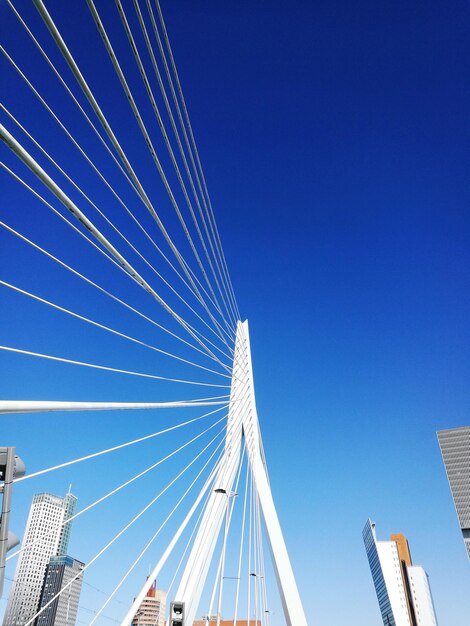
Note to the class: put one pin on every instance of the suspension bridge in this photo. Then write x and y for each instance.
(120, 318)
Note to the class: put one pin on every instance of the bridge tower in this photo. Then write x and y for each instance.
(242, 425)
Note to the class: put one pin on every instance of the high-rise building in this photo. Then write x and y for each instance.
(60, 571)
(402, 588)
(212, 621)
(455, 449)
(45, 536)
(152, 608)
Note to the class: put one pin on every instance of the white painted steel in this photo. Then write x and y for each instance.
(197, 566)
(243, 421)
(34, 166)
(157, 569)
(44, 406)
(291, 602)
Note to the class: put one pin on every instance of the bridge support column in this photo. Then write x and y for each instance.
(242, 422)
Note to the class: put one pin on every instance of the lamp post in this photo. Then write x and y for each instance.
(255, 576)
(229, 495)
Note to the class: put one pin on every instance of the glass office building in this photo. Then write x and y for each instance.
(62, 573)
(46, 535)
(402, 589)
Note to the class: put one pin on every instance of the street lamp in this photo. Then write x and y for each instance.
(255, 576)
(229, 494)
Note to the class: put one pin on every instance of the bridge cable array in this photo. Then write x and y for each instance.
(86, 202)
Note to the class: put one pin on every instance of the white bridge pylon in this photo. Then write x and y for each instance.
(242, 423)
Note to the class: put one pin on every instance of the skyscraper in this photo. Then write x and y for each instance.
(152, 608)
(46, 536)
(226, 622)
(60, 571)
(402, 588)
(455, 449)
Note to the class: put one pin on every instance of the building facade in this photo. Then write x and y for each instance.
(226, 622)
(45, 536)
(60, 571)
(152, 608)
(422, 599)
(402, 589)
(455, 449)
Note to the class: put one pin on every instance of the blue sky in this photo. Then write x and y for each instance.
(335, 143)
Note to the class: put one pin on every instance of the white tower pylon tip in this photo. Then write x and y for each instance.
(242, 422)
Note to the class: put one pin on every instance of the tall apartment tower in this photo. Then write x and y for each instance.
(47, 536)
(60, 571)
(402, 588)
(152, 608)
(455, 449)
(212, 621)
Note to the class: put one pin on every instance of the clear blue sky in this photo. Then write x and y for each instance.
(335, 143)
